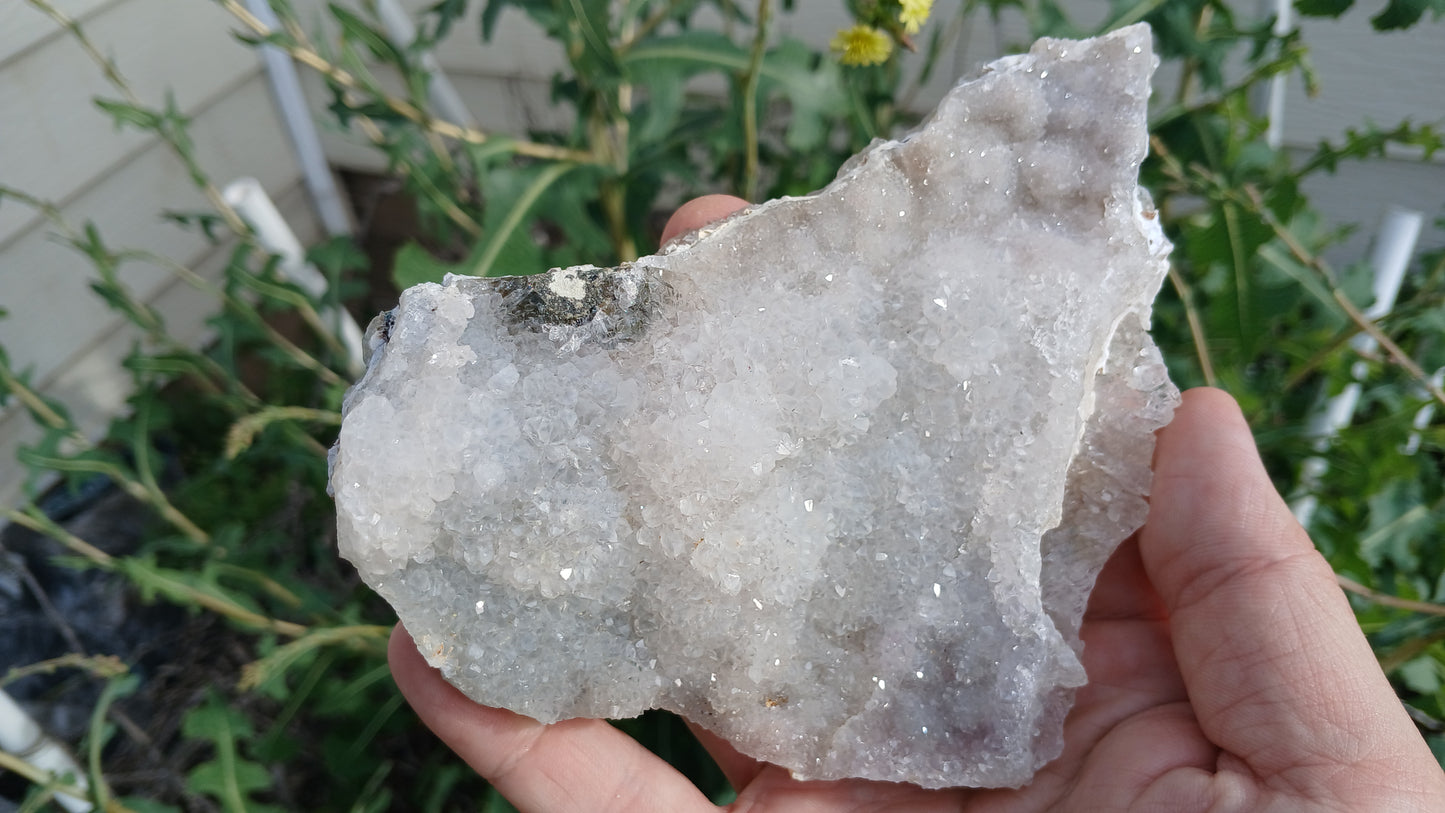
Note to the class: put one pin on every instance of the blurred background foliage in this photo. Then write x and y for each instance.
(269, 689)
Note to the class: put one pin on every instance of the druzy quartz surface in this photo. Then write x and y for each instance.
(832, 478)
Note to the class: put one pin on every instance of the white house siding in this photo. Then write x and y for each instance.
(56, 145)
(1380, 78)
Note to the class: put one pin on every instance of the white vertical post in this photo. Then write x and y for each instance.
(286, 89)
(1390, 259)
(21, 735)
(1278, 85)
(272, 231)
(1424, 416)
(443, 95)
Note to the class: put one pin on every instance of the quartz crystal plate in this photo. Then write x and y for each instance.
(832, 478)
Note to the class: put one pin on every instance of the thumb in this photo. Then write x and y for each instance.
(1275, 664)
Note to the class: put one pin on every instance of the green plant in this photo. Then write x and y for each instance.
(241, 533)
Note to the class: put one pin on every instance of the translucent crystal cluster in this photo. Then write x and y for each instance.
(832, 478)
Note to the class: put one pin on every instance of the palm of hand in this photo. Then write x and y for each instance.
(1226, 673)
(1130, 727)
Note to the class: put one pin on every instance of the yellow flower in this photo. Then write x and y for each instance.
(862, 45)
(914, 14)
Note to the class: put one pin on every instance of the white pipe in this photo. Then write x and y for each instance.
(286, 88)
(1424, 416)
(1390, 259)
(444, 97)
(21, 735)
(1278, 84)
(256, 208)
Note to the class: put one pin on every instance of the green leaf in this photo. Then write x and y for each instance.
(655, 119)
(229, 781)
(414, 265)
(1398, 516)
(1401, 14)
(814, 89)
(355, 29)
(813, 86)
(542, 12)
(140, 805)
(338, 255)
(495, 802)
(124, 114)
(1421, 674)
(229, 778)
(1323, 8)
(441, 16)
(506, 248)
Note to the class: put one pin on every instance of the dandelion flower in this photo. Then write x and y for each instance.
(914, 14)
(862, 45)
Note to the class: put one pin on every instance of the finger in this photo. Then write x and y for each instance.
(1123, 590)
(699, 212)
(575, 765)
(1274, 661)
(739, 768)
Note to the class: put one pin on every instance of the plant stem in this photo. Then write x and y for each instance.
(178, 145)
(144, 492)
(648, 26)
(99, 790)
(1387, 600)
(148, 577)
(285, 345)
(53, 214)
(609, 137)
(47, 780)
(310, 58)
(257, 672)
(1365, 323)
(1191, 63)
(1408, 651)
(37, 406)
(750, 102)
(102, 666)
(1196, 326)
(1131, 15)
(1251, 199)
(31, 517)
(1286, 60)
(449, 207)
(244, 430)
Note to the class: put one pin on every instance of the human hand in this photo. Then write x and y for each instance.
(1226, 673)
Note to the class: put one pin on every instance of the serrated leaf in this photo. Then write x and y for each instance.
(124, 114)
(229, 778)
(337, 255)
(814, 89)
(229, 782)
(355, 29)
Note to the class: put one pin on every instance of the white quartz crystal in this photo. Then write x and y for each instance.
(832, 479)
